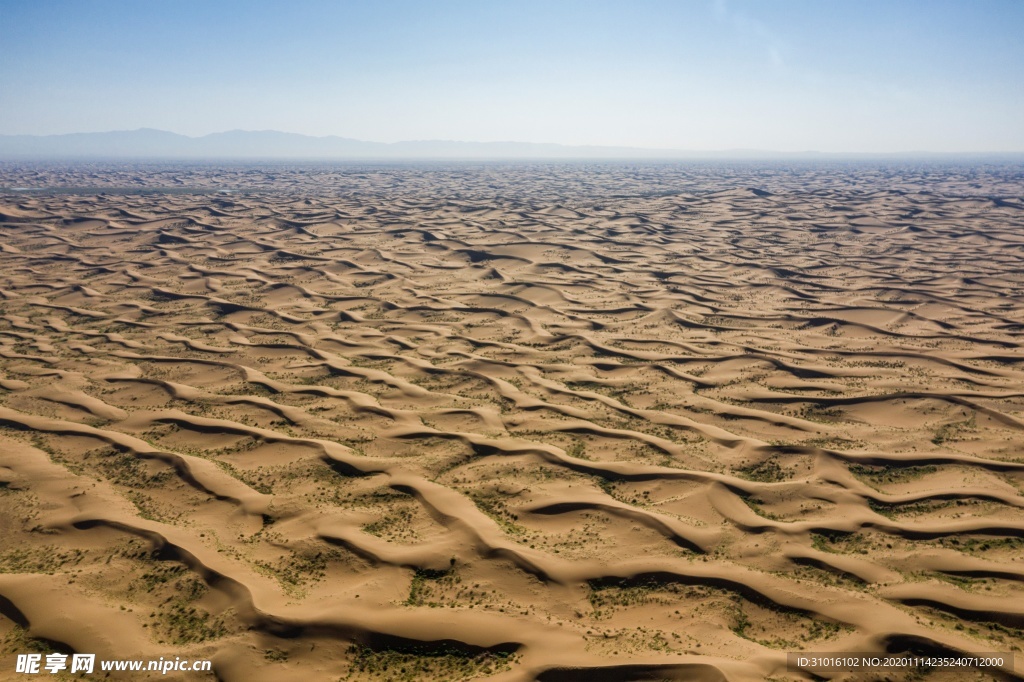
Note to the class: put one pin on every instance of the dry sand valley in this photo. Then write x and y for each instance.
(558, 422)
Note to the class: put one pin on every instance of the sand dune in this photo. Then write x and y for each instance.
(512, 422)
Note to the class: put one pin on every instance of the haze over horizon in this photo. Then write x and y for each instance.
(870, 77)
(269, 145)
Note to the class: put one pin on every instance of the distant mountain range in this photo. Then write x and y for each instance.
(147, 143)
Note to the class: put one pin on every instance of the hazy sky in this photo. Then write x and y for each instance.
(858, 75)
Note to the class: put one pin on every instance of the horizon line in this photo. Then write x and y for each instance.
(659, 150)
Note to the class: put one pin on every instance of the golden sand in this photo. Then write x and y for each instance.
(512, 422)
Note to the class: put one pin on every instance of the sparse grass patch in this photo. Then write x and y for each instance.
(425, 663)
(768, 471)
(396, 525)
(890, 473)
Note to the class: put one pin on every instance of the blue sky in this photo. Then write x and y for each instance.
(791, 75)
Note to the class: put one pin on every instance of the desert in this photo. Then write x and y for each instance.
(513, 421)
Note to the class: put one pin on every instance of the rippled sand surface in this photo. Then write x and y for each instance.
(558, 422)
